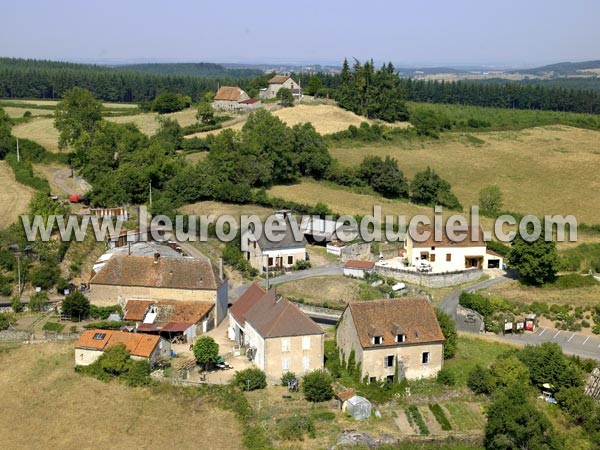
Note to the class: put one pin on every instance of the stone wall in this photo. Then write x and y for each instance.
(433, 280)
(361, 250)
(14, 336)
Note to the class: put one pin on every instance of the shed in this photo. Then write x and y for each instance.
(357, 269)
(359, 407)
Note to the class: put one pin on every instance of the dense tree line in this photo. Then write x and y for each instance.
(48, 80)
(193, 70)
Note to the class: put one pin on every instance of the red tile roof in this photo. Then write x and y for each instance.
(275, 316)
(250, 101)
(137, 344)
(247, 300)
(146, 271)
(135, 310)
(168, 310)
(229, 93)
(278, 79)
(414, 317)
(356, 264)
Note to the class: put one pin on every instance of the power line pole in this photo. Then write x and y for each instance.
(150, 194)
(18, 153)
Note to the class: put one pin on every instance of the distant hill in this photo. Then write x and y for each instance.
(203, 70)
(563, 68)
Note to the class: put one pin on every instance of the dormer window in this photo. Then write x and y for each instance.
(377, 340)
(400, 338)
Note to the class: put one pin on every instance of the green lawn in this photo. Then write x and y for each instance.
(464, 417)
(472, 351)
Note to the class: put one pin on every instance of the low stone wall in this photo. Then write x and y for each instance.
(432, 280)
(361, 250)
(14, 336)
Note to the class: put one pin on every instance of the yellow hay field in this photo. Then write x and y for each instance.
(14, 197)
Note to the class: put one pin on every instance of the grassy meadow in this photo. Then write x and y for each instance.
(543, 170)
(48, 405)
(14, 197)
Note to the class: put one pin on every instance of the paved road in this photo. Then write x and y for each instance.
(331, 269)
(572, 343)
(450, 302)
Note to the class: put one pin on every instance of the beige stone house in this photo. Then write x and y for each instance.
(451, 249)
(392, 337)
(278, 82)
(92, 344)
(184, 279)
(279, 337)
(282, 254)
(230, 98)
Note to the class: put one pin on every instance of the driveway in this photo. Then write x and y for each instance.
(331, 269)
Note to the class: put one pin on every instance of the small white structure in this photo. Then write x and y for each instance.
(359, 407)
(357, 269)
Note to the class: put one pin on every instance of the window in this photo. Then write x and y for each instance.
(388, 361)
(270, 262)
(305, 342)
(248, 256)
(285, 345)
(372, 379)
(377, 340)
(390, 378)
(433, 248)
(290, 260)
(99, 336)
(400, 337)
(425, 358)
(305, 363)
(448, 257)
(285, 364)
(432, 257)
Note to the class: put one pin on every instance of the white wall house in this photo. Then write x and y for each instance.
(442, 253)
(278, 82)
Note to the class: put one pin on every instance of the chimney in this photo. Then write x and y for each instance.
(156, 257)
(221, 270)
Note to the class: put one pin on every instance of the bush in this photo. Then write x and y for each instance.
(206, 350)
(38, 301)
(572, 281)
(440, 416)
(16, 304)
(302, 264)
(287, 377)
(102, 312)
(6, 320)
(137, 373)
(295, 427)
(44, 276)
(106, 325)
(481, 381)
(316, 386)
(447, 377)
(53, 327)
(250, 379)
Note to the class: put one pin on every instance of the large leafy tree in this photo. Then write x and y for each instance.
(206, 350)
(490, 199)
(536, 261)
(384, 176)
(76, 115)
(429, 188)
(286, 97)
(515, 423)
(311, 151)
(548, 364)
(317, 386)
(76, 305)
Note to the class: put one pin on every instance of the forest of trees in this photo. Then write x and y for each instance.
(209, 70)
(21, 78)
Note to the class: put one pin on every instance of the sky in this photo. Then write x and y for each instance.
(410, 33)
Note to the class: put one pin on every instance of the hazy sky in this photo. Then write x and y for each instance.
(524, 32)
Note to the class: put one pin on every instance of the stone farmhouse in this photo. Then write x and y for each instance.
(279, 337)
(156, 278)
(392, 339)
(278, 82)
(445, 254)
(92, 344)
(233, 98)
(276, 255)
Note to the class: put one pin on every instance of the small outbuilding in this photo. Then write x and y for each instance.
(357, 269)
(359, 407)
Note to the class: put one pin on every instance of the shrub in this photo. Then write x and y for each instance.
(137, 373)
(585, 324)
(107, 325)
(481, 381)
(295, 427)
(102, 312)
(302, 264)
(287, 377)
(16, 304)
(250, 379)
(323, 415)
(6, 320)
(316, 386)
(114, 360)
(440, 416)
(38, 301)
(447, 377)
(54, 327)
(44, 276)
(571, 281)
